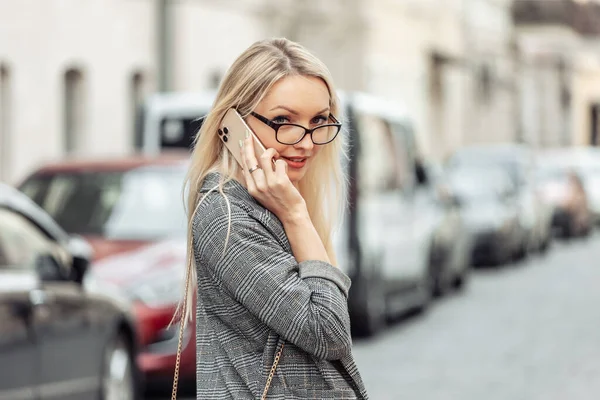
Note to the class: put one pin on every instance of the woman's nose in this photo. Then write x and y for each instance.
(306, 143)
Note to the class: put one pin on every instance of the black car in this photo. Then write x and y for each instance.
(57, 339)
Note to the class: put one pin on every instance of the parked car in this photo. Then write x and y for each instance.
(589, 174)
(452, 243)
(490, 205)
(520, 162)
(585, 163)
(384, 244)
(131, 211)
(57, 339)
(563, 188)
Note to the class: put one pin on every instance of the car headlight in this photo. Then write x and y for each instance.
(99, 287)
(160, 291)
(167, 339)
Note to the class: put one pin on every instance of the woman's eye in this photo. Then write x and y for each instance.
(321, 119)
(280, 120)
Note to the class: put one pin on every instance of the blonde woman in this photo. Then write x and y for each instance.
(272, 317)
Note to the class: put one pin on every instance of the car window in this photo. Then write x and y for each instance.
(21, 242)
(383, 161)
(179, 132)
(140, 204)
(478, 184)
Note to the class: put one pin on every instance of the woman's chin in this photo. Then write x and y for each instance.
(295, 175)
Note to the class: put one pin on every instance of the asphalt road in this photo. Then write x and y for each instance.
(529, 331)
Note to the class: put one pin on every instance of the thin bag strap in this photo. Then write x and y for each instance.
(272, 373)
(180, 344)
(180, 340)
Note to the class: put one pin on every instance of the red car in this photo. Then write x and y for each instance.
(132, 212)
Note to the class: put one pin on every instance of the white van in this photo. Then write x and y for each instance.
(384, 243)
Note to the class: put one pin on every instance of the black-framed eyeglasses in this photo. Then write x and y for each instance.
(292, 133)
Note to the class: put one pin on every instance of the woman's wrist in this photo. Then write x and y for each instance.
(304, 239)
(296, 216)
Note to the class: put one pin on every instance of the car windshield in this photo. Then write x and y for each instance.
(139, 204)
(476, 185)
(509, 160)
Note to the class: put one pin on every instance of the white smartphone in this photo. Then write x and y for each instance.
(232, 129)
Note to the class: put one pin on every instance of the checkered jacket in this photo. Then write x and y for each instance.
(254, 297)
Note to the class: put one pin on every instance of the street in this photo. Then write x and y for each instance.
(526, 331)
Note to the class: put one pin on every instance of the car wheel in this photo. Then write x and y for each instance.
(570, 228)
(545, 244)
(118, 377)
(437, 286)
(425, 291)
(370, 306)
(460, 280)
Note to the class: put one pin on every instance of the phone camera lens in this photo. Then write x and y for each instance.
(225, 138)
(220, 132)
(225, 130)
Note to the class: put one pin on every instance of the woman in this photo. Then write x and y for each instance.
(271, 303)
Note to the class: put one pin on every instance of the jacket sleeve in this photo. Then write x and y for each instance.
(305, 303)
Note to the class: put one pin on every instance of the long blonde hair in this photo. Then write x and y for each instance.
(245, 84)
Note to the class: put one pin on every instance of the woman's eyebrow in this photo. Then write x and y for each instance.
(291, 111)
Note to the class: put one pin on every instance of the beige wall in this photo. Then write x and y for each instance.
(402, 37)
(207, 39)
(106, 39)
(586, 93)
(546, 123)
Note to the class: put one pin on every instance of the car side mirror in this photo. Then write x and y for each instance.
(82, 255)
(421, 175)
(49, 268)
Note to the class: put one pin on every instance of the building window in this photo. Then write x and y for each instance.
(485, 86)
(137, 94)
(74, 110)
(5, 114)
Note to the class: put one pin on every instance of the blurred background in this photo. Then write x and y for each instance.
(471, 232)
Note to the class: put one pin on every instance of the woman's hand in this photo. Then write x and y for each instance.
(270, 184)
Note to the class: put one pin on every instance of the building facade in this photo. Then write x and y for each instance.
(73, 73)
(68, 73)
(559, 49)
(451, 63)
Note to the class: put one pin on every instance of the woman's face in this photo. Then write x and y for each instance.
(296, 100)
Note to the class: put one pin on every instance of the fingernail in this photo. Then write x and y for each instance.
(247, 135)
(241, 144)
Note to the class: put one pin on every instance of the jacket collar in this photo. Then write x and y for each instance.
(250, 204)
(232, 187)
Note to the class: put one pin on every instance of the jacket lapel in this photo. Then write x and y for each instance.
(256, 210)
(273, 225)
(352, 370)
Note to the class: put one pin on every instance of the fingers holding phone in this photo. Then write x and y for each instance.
(259, 172)
(268, 182)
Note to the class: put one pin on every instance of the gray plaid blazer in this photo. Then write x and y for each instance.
(254, 297)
